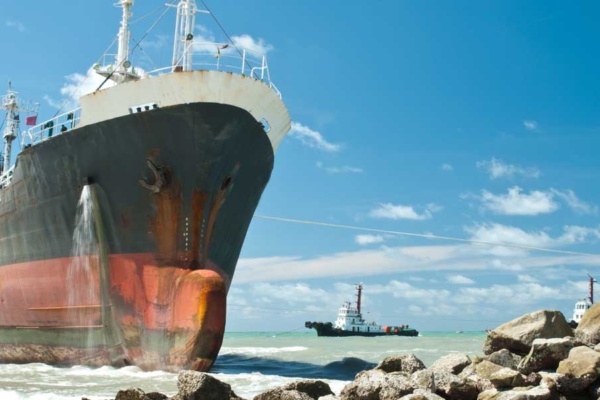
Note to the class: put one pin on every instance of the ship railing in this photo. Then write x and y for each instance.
(6, 177)
(48, 129)
(223, 57)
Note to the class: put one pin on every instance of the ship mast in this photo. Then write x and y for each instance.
(592, 280)
(10, 103)
(358, 296)
(184, 35)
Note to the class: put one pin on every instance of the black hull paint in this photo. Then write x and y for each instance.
(327, 329)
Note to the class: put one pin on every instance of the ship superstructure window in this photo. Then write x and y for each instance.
(143, 108)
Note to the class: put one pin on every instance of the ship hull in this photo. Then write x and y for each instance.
(173, 190)
(327, 329)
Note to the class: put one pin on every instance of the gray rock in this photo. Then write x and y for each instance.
(313, 389)
(452, 363)
(505, 358)
(450, 386)
(194, 385)
(518, 335)
(279, 394)
(506, 377)
(485, 369)
(377, 385)
(546, 354)
(406, 363)
(588, 330)
(578, 371)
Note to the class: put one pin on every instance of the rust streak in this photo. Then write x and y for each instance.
(198, 204)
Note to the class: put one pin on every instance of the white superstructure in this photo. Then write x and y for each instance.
(580, 308)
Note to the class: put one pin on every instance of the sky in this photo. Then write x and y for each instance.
(469, 120)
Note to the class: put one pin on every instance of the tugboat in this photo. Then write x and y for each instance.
(583, 305)
(351, 323)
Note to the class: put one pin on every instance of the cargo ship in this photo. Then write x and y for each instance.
(350, 322)
(165, 168)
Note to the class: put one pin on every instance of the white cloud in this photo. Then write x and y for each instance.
(515, 202)
(312, 138)
(447, 167)
(368, 239)
(16, 25)
(391, 211)
(258, 46)
(498, 233)
(460, 280)
(346, 169)
(77, 85)
(158, 42)
(498, 169)
(526, 278)
(530, 124)
(577, 205)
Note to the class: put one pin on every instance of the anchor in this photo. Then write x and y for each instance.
(159, 178)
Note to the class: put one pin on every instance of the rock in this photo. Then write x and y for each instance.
(156, 396)
(131, 394)
(450, 386)
(505, 358)
(423, 379)
(588, 330)
(452, 363)
(194, 385)
(485, 369)
(534, 393)
(578, 371)
(311, 388)
(405, 363)
(377, 385)
(518, 335)
(422, 394)
(278, 394)
(506, 377)
(545, 354)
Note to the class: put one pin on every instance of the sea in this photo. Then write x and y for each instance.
(251, 362)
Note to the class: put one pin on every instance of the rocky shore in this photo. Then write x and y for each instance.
(535, 357)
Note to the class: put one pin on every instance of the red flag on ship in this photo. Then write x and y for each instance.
(31, 120)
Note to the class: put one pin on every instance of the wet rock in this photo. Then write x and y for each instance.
(311, 388)
(588, 330)
(578, 371)
(452, 363)
(545, 354)
(505, 358)
(518, 335)
(194, 385)
(450, 386)
(405, 363)
(377, 385)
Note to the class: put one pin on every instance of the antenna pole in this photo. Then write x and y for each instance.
(592, 280)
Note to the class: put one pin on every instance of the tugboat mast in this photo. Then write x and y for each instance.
(592, 280)
(359, 288)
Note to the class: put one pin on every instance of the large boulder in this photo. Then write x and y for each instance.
(506, 377)
(310, 388)
(518, 335)
(194, 385)
(533, 393)
(453, 363)
(546, 354)
(588, 330)
(421, 394)
(578, 371)
(405, 363)
(452, 387)
(377, 385)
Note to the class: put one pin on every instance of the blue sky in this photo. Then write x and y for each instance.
(473, 120)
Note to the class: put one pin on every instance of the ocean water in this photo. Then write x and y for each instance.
(251, 362)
